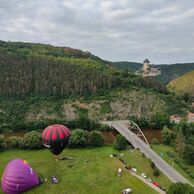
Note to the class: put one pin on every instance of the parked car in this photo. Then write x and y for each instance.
(134, 169)
(126, 191)
(150, 180)
(156, 184)
(143, 175)
(162, 188)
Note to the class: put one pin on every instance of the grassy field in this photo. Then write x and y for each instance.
(92, 171)
(169, 155)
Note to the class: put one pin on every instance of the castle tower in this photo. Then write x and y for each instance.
(146, 66)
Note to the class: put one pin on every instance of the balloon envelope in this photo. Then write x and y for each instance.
(56, 137)
(18, 177)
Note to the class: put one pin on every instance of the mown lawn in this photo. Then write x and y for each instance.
(138, 160)
(169, 155)
(93, 171)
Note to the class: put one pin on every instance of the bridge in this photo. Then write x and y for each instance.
(136, 138)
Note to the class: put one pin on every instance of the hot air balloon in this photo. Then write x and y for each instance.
(56, 138)
(18, 177)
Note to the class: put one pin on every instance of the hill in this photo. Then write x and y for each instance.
(173, 71)
(131, 66)
(36, 69)
(169, 71)
(41, 83)
(183, 84)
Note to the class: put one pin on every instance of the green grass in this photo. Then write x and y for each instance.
(169, 155)
(98, 176)
(137, 160)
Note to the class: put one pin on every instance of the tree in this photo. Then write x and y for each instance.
(31, 141)
(156, 172)
(2, 143)
(168, 136)
(159, 120)
(180, 188)
(120, 142)
(13, 142)
(78, 138)
(180, 142)
(95, 139)
(188, 153)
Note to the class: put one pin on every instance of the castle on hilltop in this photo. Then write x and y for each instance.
(148, 70)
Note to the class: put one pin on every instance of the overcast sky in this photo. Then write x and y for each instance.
(132, 30)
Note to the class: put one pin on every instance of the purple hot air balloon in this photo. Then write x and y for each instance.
(18, 177)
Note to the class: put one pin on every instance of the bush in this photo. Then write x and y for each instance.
(31, 141)
(180, 188)
(78, 138)
(104, 127)
(156, 172)
(152, 164)
(168, 136)
(96, 139)
(155, 141)
(120, 143)
(13, 142)
(2, 143)
(188, 154)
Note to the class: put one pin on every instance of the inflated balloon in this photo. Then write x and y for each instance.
(56, 138)
(18, 177)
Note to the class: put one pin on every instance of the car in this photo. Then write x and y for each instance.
(134, 169)
(143, 175)
(156, 184)
(150, 180)
(126, 191)
(162, 188)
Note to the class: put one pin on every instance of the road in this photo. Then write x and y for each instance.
(121, 127)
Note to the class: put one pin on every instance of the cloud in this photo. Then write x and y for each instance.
(130, 30)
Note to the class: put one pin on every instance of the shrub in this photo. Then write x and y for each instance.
(168, 136)
(2, 143)
(180, 188)
(104, 127)
(96, 139)
(31, 141)
(155, 141)
(188, 154)
(120, 143)
(152, 164)
(156, 172)
(13, 142)
(79, 138)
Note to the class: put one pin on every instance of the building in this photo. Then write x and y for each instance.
(175, 119)
(146, 65)
(192, 103)
(148, 70)
(190, 117)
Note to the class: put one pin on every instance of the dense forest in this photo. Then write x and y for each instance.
(169, 71)
(35, 69)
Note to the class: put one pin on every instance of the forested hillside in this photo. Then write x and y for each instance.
(183, 84)
(42, 84)
(35, 69)
(169, 72)
(173, 71)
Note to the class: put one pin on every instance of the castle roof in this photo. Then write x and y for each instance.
(146, 61)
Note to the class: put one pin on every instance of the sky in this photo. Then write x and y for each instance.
(115, 30)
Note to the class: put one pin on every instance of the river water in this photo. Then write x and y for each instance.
(109, 136)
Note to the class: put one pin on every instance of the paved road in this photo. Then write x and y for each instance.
(121, 127)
